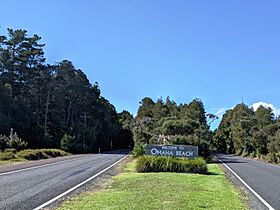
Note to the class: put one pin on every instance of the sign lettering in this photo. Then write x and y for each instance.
(172, 150)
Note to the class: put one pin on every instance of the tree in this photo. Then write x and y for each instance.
(14, 142)
(264, 116)
(126, 119)
(195, 111)
(171, 107)
(223, 137)
(42, 102)
(235, 130)
(3, 142)
(274, 147)
(211, 118)
(164, 123)
(243, 131)
(146, 107)
(67, 143)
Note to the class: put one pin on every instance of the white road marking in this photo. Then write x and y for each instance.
(40, 166)
(253, 191)
(77, 186)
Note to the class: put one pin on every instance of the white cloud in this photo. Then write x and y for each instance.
(275, 110)
(220, 112)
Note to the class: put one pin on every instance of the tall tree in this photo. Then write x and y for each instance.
(44, 102)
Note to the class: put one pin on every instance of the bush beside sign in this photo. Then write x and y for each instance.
(172, 150)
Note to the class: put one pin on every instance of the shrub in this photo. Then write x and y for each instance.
(6, 155)
(30, 154)
(171, 164)
(139, 150)
(40, 154)
(12, 150)
(245, 153)
(3, 142)
(15, 142)
(67, 142)
(253, 154)
(273, 157)
(54, 152)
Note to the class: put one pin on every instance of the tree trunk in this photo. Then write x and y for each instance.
(68, 113)
(47, 110)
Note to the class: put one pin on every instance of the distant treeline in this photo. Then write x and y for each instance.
(244, 131)
(53, 105)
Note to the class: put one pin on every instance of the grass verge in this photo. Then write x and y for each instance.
(11, 156)
(6, 162)
(131, 190)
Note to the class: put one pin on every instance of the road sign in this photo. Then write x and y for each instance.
(172, 150)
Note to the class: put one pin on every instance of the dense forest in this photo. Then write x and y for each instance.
(246, 132)
(52, 105)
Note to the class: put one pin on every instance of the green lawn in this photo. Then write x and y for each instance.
(132, 190)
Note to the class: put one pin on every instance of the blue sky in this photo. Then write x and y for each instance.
(219, 51)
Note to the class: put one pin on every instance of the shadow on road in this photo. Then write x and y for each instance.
(226, 158)
(120, 152)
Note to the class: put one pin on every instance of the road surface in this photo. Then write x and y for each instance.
(263, 178)
(28, 189)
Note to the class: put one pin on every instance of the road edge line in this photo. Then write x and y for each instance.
(40, 166)
(252, 191)
(77, 186)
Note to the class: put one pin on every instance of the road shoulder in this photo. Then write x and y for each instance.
(251, 200)
(95, 185)
(34, 163)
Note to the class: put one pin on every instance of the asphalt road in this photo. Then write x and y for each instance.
(30, 188)
(261, 177)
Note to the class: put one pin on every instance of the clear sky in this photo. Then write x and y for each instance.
(219, 51)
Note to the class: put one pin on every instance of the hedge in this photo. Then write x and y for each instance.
(170, 164)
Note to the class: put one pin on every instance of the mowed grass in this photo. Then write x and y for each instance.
(131, 190)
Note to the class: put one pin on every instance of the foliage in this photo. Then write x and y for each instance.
(54, 152)
(274, 147)
(3, 142)
(249, 133)
(11, 150)
(6, 155)
(168, 123)
(42, 102)
(12, 142)
(67, 142)
(30, 154)
(171, 164)
(15, 142)
(126, 119)
(139, 150)
(126, 132)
